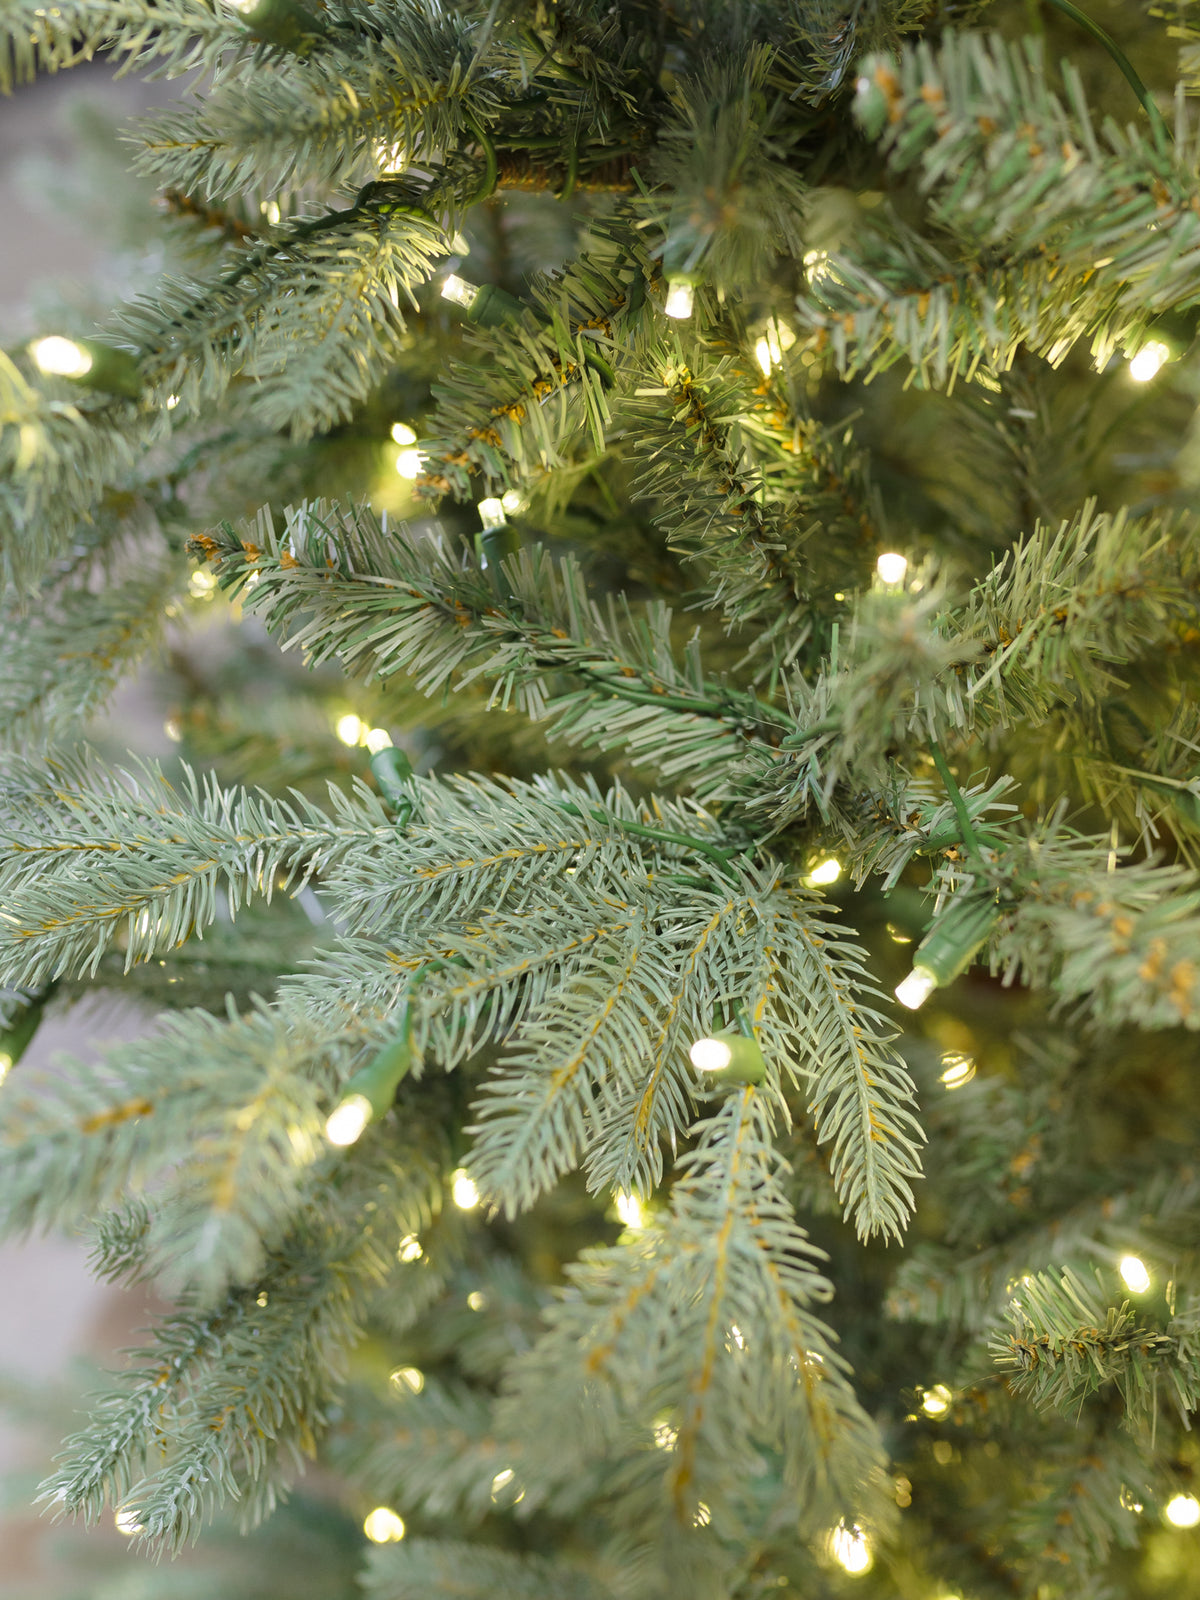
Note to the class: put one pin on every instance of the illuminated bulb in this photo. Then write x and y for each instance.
(262, 1298)
(1133, 1271)
(202, 585)
(897, 934)
(1183, 1511)
(411, 1379)
(511, 501)
(1149, 359)
(936, 1401)
(501, 1480)
(849, 1548)
(680, 299)
(703, 1516)
(244, 7)
(891, 567)
(458, 290)
(665, 1436)
(172, 401)
(629, 1208)
(349, 728)
(409, 1249)
(766, 356)
(377, 739)
(5, 1065)
(347, 1121)
(491, 513)
(403, 434)
(710, 1055)
(916, 988)
(60, 358)
(477, 1300)
(173, 729)
(383, 1526)
(391, 157)
(462, 1187)
(270, 210)
(128, 1524)
(827, 871)
(409, 464)
(958, 1069)
(816, 265)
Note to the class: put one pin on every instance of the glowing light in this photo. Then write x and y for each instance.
(703, 1516)
(5, 1065)
(710, 1055)
(827, 871)
(629, 1208)
(408, 1379)
(665, 1436)
(501, 1481)
(957, 1069)
(914, 990)
(816, 265)
(390, 156)
(262, 1298)
(680, 299)
(172, 401)
(173, 729)
(60, 358)
(1183, 1511)
(245, 7)
(383, 1526)
(1148, 361)
(477, 1300)
(202, 585)
(377, 739)
(458, 290)
(849, 1548)
(346, 1122)
(409, 1249)
(462, 1188)
(127, 1522)
(491, 513)
(891, 567)
(349, 728)
(738, 1337)
(270, 210)
(1136, 1277)
(936, 1401)
(511, 500)
(409, 464)
(897, 934)
(403, 434)
(768, 351)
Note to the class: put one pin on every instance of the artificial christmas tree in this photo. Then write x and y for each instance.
(776, 542)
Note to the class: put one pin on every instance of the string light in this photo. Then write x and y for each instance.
(126, 1522)
(680, 299)
(403, 434)
(1149, 360)
(262, 1298)
(477, 1300)
(957, 1070)
(710, 1055)
(511, 500)
(409, 1249)
(936, 1401)
(409, 1379)
(491, 513)
(702, 1517)
(463, 1190)
(6, 1062)
(409, 464)
(171, 402)
(383, 1526)
(665, 1436)
(270, 210)
(1135, 1275)
(849, 1548)
(1183, 1511)
(346, 1121)
(891, 567)
(501, 1481)
(914, 990)
(459, 291)
(827, 871)
(202, 585)
(350, 729)
(897, 934)
(60, 358)
(629, 1208)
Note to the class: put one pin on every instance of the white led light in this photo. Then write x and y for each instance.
(827, 871)
(383, 1526)
(680, 299)
(378, 739)
(1183, 1511)
(270, 210)
(629, 1208)
(459, 290)
(849, 1548)
(1134, 1274)
(1148, 361)
(347, 1121)
(409, 464)
(127, 1523)
(409, 1249)
(407, 1380)
(957, 1069)
(403, 434)
(916, 988)
(710, 1055)
(172, 401)
(462, 1187)
(891, 567)
(936, 1401)
(501, 1481)
(349, 728)
(491, 513)
(5, 1065)
(511, 500)
(60, 358)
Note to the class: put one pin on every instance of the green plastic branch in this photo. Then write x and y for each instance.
(1110, 44)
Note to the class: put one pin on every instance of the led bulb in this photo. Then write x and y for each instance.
(957, 1070)
(1134, 1274)
(350, 728)
(409, 1380)
(127, 1523)
(378, 739)
(891, 567)
(60, 358)
(936, 1401)
(491, 513)
(511, 500)
(1183, 1511)
(710, 1055)
(680, 299)
(403, 434)
(629, 1208)
(409, 1249)
(849, 1548)
(5, 1065)
(1148, 361)
(462, 1187)
(270, 210)
(916, 988)
(409, 464)
(347, 1121)
(827, 871)
(458, 290)
(383, 1526)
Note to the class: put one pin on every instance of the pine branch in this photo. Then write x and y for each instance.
(167, 37)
